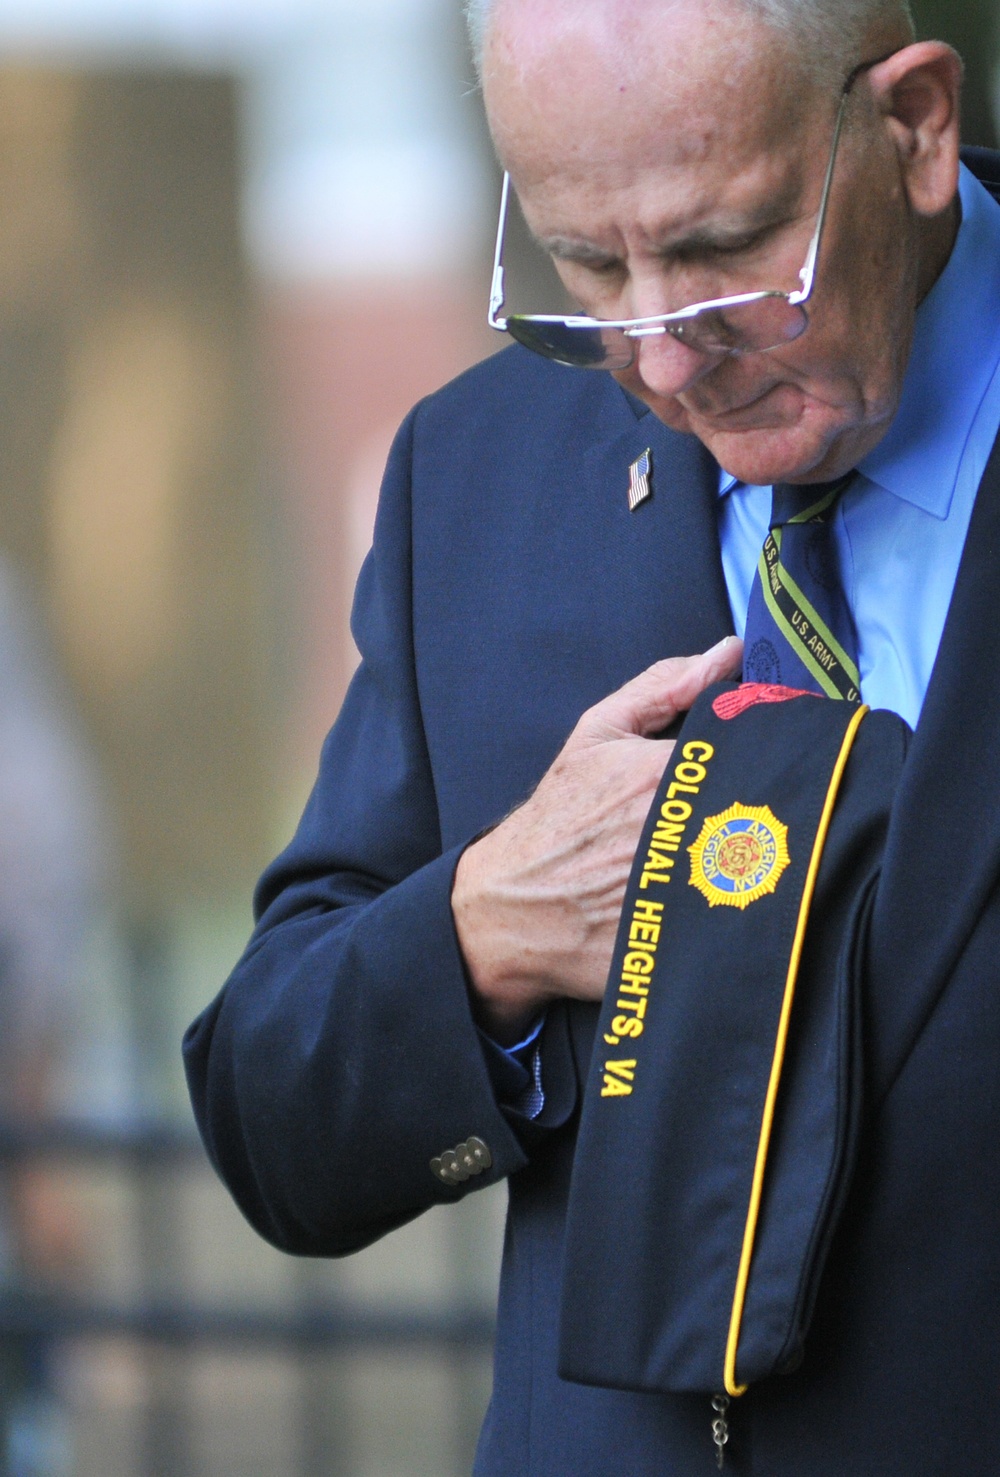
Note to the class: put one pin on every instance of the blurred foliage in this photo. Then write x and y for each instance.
(973, 28)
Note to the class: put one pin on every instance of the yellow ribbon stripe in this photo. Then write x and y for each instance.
(806, 657)
(767, 1122)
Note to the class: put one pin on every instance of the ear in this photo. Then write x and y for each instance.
(918, 91)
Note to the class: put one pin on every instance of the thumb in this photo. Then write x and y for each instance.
(652, 700)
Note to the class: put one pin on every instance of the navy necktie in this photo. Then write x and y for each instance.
(800, 632)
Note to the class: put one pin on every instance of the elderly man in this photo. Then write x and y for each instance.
(759, 211)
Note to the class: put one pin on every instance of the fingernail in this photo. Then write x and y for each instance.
(720, 646)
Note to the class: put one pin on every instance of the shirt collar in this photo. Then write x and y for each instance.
(956, 351)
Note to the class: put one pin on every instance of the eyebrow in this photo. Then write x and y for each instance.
(701, 241)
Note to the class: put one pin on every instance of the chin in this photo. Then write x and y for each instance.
(798, 453)
(799, 439)
(785, 449)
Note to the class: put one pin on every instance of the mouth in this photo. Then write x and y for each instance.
(775, 408)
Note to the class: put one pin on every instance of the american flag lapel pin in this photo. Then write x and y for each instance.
(640, 486)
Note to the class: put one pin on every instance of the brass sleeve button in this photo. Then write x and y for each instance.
(455, 1166)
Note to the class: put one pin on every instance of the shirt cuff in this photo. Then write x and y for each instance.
(526, 1053)
(520, 1050)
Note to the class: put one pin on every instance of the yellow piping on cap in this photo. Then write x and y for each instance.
(767, 1122)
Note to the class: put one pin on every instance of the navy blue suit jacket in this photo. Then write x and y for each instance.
(509, 589)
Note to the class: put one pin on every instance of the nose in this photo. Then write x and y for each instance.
(668, 367)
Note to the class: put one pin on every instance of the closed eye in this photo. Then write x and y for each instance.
(708, 248)
(581, 254)
(698, 248)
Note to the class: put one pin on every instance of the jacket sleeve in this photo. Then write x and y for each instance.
(341, 1056)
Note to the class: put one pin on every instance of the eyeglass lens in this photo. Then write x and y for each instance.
(582, 347)
(742, 328)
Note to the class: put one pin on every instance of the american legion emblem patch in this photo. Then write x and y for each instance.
(739, 856)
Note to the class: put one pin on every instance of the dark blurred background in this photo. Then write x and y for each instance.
(973, 28)
(237, 241)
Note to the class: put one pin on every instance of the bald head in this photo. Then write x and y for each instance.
(827, 36)
(575, 90)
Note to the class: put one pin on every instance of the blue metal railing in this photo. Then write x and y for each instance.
(172, 1328)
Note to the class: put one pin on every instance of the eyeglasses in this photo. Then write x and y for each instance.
(748, 323)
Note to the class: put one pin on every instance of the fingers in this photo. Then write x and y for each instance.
(536, 900)
(651, 701)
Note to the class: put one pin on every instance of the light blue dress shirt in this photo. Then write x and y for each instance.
(901, 526)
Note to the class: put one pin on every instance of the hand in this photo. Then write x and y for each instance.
(537, 900)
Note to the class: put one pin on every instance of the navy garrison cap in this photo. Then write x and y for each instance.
(720, 1116)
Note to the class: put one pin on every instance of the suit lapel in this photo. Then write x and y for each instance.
(667, 566)
(943, 851)
(669, 545)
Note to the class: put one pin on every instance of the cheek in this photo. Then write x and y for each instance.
(866, 331)
(866, 289)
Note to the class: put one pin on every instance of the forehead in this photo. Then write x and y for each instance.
(596, 103)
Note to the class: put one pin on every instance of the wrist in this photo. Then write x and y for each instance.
(505, 998)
